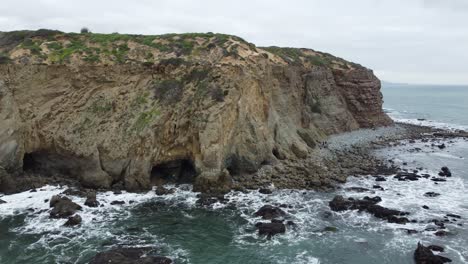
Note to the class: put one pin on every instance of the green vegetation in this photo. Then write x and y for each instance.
(4, 58)
(293, 55)
(101, 106)
(168, 91)
(85, 30)
(31, 45)
(145, 118)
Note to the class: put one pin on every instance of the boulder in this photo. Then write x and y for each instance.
(445, 171)
(73, 220)
(436, 248)
(62, 207)
(265, 191)
(368, 204)
(380, 178)
(270, 212)
(431, 194)
(161, 190)
(117, 202)
(91, 200)
(129, 256)
(270, 229)
(2, 202)
(424, 255)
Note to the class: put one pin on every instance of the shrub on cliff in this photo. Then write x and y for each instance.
(85, 30)
(4, 58)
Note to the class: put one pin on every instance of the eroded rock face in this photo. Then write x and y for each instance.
(200, 117)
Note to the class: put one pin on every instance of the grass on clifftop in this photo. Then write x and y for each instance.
(55, 47)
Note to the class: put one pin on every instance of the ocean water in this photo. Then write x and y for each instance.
(225, 233)
(440, 106)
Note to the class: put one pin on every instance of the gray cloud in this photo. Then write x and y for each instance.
(415, 41)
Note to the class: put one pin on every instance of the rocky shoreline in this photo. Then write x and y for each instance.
(341, 159)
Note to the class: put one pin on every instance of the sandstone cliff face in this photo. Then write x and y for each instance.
(141, 110)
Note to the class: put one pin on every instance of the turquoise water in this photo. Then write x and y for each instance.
(225, 233)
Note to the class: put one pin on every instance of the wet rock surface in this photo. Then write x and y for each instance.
(424, 255)
(368, 204)
(73, 220)
(91, 200)
(62, 207)
(270, 212)
(270, 229)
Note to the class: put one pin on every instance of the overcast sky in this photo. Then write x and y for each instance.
(410, 41)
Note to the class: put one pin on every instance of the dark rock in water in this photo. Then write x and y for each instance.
(62, 207)
(73, 220)
(357, 189)
(117, 202)
(404, 176)
(2, 202)
(441, 146)
(91, 200)
(454, 216)
(411, 231)
(369, 205)
(425, 175)
(270, 229)
(438, 180)
(378, 187)
(161, 190)
(33, 190)
(425, 207)
(207, 200)
(129, 256)
(380, 178)
(270, 212)
(265, 191)
(375, 199)
(424, 255)
(117, 192)
(330, 229)
(436, 248)
(441, 233)
(445, 171)
(431, 194)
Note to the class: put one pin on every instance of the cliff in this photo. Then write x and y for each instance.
(133, 111)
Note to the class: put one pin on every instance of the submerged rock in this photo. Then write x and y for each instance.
(161, 190)
(445, 171)
(62, 207)
(117, 202)
(270, 229)
(431, 194)
(73, 220)
(91, 200)
(270, 212)
(339, 203)
(129, 256)
(2, 202)
(424, 255)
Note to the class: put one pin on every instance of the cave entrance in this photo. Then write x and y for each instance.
(176, 171)
(49, 164)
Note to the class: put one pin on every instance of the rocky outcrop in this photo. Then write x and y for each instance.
(144, 110)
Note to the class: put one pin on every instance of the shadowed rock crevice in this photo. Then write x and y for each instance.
(176, 171)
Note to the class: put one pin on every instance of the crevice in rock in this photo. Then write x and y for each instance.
(49, 164)
(177, 171)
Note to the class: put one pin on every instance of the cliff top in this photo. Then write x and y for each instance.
(52, 47)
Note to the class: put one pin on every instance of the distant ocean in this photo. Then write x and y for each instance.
(439, 106)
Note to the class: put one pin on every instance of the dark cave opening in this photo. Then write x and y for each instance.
(177, 171)
(49, 164)
(29, 162)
